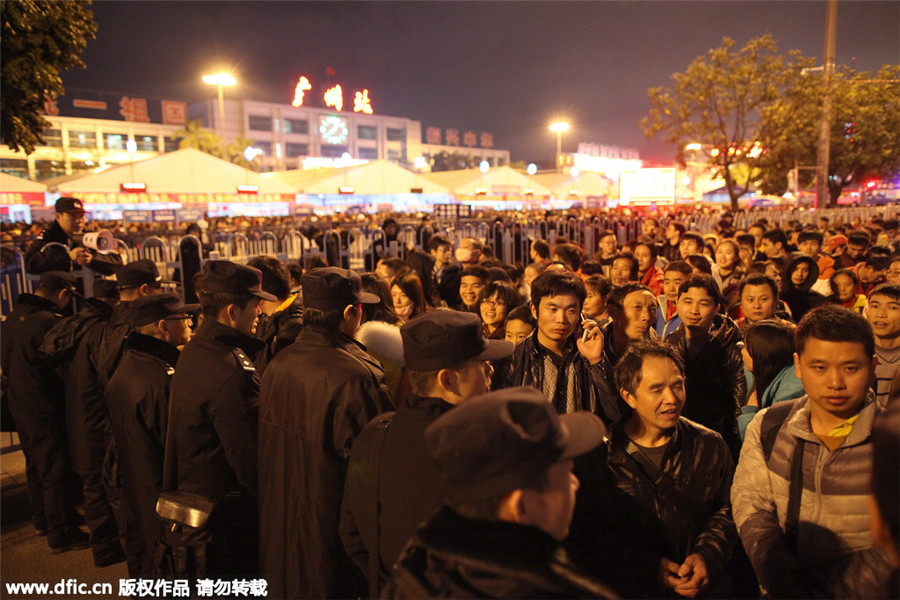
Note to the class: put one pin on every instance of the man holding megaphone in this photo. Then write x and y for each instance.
(76, 249)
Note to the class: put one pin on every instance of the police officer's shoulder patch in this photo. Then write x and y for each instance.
(243, 359)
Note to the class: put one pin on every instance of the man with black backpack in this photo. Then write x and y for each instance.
(800, 488)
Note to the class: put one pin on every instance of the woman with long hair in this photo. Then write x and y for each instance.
(769, 356)
(407, 295)
(494, 303)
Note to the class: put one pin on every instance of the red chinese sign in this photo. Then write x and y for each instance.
(134, 109)
(174, 113)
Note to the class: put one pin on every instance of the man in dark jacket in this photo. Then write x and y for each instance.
(316, 397)
(280, 321)
(37, 403)
(211, 435)
(138, 402)
(653, 514)
(391, 483)
(68, 224)
(505, 459)
(73, 345)
(553, 358)
(709, 346)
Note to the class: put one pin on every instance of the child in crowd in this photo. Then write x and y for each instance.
(520, 324)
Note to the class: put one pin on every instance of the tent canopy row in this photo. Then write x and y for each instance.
(190, 171)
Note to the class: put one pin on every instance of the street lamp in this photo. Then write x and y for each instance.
(220, 80)
(559, 127)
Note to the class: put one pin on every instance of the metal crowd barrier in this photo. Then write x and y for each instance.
(359, 249)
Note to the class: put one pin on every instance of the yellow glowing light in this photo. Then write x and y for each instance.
(693, 146)
(714, 152)
(334, 97)
(302, 86)
(219, 79)
(361, 102)
(559, 127)
(755, 151)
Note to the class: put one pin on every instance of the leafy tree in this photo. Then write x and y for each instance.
(194, 135)
(718, 102)
(452, 161)
(865, 130)
(39, 41)
(235, 153)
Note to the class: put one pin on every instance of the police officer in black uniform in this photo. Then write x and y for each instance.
(68, 225)
(212, 431)
(138, 402)
(37, 401)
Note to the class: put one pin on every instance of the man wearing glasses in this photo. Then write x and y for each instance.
(138, 404)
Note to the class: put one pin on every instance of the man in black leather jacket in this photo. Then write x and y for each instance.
(653, 515)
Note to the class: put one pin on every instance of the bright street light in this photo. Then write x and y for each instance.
(558, 128)
(220, 80)
(693, 146)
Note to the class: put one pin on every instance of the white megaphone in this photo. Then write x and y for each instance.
(102, 241)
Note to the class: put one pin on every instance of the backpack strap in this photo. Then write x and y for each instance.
(771, 424)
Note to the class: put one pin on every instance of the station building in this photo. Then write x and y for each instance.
(90, 129)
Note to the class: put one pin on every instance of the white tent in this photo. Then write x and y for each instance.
(185, 171)
(10, 183)
(497, 181)
(563, 184)
(375, 177)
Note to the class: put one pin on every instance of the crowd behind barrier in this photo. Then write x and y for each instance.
(357, 244)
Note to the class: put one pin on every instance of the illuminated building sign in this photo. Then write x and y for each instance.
(333, 97)
(361, 102)
(451, 137)
(303, 85)
(333, 129)
(115, 107)
(604, 151)
(322, 162)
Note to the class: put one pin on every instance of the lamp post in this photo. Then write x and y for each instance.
(220, 80)
(559, 127)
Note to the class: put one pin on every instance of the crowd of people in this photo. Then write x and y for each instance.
(681, 415)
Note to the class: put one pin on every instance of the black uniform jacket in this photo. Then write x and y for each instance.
(628, 514)
(31, 385)
(454, 557)
(317, 395)
(714, 382)
(73, 344)
(392, 484)
(138, 401)
(213, 419)
(56, 259)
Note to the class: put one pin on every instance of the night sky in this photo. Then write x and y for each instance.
(508, 68)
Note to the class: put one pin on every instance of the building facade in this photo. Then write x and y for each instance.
(90, 130)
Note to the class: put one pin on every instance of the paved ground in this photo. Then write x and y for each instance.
(25, 557)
